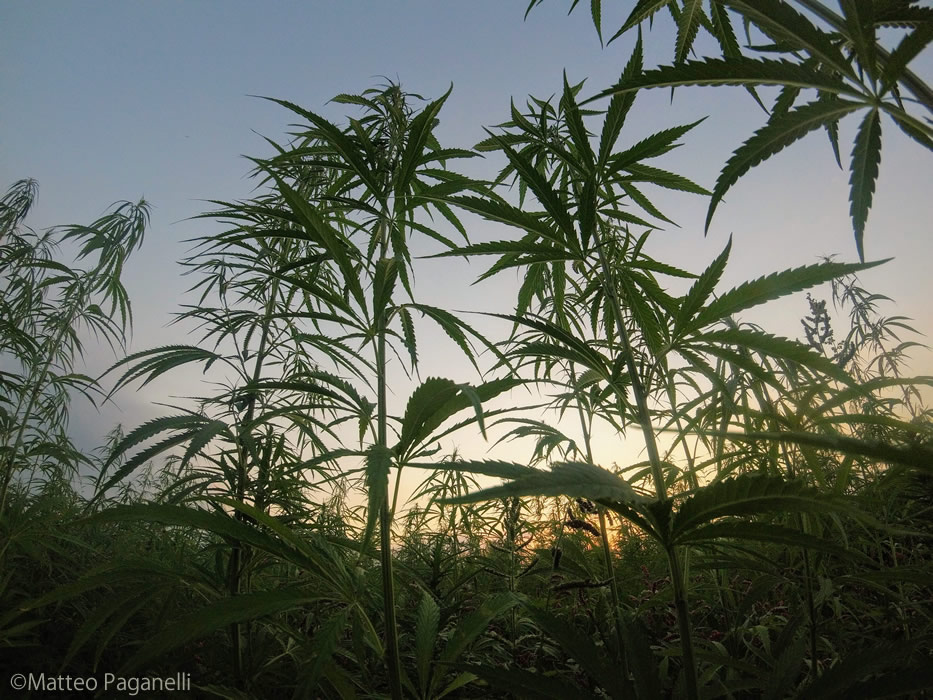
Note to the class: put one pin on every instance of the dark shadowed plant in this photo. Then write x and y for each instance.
(802, 46)
(624, 333)
(774, 541)
(311, 278)
(48, 311)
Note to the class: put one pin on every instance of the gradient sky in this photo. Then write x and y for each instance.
(105, 101)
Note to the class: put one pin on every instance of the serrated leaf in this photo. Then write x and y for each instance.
(457, 330)
(639, 293)
(641, 200)
(787, 666)
(916, 456)
(776, 347)
(503, 212)
(902, 13)
(329, 238)
(475, 624)
(914, 128)
(723, 31)
(698, 294)
(655, 145)
(118, 608)
(748, 494)
(217, 616)
(596, 14)
(337, 139)
(639, 172)
(645, 9)
(426, 623)
(860, 23)
(378, 465)
(298, 552)
(326, 643)
(783, 23)
(543, 191)
(771, 533)
(573, 479)
(526, 247)
(436, 400)
(408, 336)
(384, 279)
(575, 127)
(489, 467)
(866, 160)
(865, 389)
(687, 27)
(907, 50)
(576, 349)
(461, 680)
(200, 439)
(423, 412)
(773, 137)
(730, 71)
(181, 428)
(582, 650)
(773, 286)
(150, 364)
(619, 106)
(651, 265)
(419, 132)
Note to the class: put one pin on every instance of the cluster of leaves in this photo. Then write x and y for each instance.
(505, 604)
(46, 310)
(835, 60)
(781, 514)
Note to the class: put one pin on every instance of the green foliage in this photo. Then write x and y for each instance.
(574, 479)
(46, 308)
(772, 543)
(838, 55)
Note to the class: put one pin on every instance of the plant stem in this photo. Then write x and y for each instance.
(683, 624)
(641, 402)
(385, 532)
(238, 553)
(802, 523)
(604, 537)
(393, 661)
(48, 351)
(644, 420)
(811, 611)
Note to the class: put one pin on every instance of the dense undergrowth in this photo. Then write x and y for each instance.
(774, 543)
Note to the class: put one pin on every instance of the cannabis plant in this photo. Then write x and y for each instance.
(800, 46)
(48, 310)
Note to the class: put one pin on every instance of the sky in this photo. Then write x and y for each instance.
(107, 101)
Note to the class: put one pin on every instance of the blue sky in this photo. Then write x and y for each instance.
(104, 101)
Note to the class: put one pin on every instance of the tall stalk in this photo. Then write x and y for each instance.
(348, 196)
(644, 420)
(25, 414)
(393, 660)
(238, 552)
(604, 539)
(550, 152)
